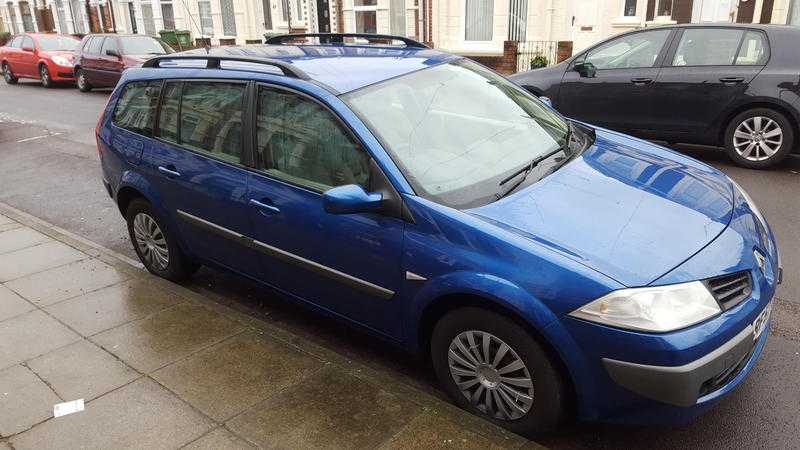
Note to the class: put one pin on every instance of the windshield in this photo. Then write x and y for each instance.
(57, 43)
(458, 130)
(144, 46)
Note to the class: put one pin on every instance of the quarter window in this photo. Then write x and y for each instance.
(707, 47)
(632, 51)
(136, 108)
(303, 143)
(754, 50)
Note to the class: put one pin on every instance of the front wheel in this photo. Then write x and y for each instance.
(759, 138)
(493, 367)
(8, 75)
(44, 74)
(83, 83)
(154, 244)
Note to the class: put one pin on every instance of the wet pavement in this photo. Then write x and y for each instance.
(160, 366)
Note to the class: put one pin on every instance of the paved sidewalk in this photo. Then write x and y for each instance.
(160, 366)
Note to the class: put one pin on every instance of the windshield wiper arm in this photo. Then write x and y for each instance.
(526, 170)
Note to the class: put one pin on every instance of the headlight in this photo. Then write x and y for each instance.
(62, 60)
(657, 309)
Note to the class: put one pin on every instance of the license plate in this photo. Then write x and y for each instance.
(760, 324)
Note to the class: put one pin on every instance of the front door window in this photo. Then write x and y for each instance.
(628, 52)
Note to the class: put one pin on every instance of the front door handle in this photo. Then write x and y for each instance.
(170, 172)
(731, 80)
(641, 80)
(264, 208)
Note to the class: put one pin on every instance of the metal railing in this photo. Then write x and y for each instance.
(534, 54)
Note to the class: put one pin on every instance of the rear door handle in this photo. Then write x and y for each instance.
(641, 80)
(264, 208)
(731, 80)
(170, 172)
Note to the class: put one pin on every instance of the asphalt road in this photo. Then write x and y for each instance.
(49, 168)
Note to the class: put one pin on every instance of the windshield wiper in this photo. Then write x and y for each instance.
(528, 168)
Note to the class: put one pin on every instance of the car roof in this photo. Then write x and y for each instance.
(758, 26)
(342, 67)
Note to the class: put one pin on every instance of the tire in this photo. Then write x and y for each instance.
(548, 407)
(160, 254)
(81, 81)
(44, 74)
(750, 140)
(8, 75)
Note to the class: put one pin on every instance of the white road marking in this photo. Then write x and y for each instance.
(37, 137)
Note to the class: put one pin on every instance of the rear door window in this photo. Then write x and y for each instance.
(95, 45)
(707, 47)
(27, 42)
(109, 44)
(754, 50)
(136, 108)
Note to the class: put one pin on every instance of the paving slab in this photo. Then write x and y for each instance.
(329, 410)
(24, 400)
(34, 259)
(112, 306)
(218, 439)
(20, 238)
(60, 283)
(11, 304)
(228, 378)
(141, 415)
(30, 335)
(166, 336)
(430, 430)
(82, 370)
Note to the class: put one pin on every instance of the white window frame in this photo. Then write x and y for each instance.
(478, 46)
(365, 8)
(622, 9)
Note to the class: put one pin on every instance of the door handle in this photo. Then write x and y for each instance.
(731, 80)
(641, 80)
(264, 208)
(170, 172)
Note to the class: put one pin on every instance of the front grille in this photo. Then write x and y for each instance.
(731, 289)
(723, 378)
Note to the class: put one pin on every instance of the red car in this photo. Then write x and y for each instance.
(46, 57)
(101, 58)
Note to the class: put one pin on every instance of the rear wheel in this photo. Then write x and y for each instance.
(83, 83)
(759, 138)
(44, 74)
(493, 367)
(8, 75)
(155, 245)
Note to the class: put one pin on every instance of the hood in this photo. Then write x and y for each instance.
(625, 207)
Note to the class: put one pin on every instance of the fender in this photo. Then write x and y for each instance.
(755, 102)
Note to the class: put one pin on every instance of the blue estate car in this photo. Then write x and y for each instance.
(545, 266)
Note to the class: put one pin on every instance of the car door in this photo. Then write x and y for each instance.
(611, 84)
(109, 62)
(345, 263)
(198, 166)
(90, 62)
(27, 58)
(11, 52)
(706, 70)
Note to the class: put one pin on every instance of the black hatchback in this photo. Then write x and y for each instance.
(727, 85)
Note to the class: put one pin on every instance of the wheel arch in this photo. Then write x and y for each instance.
(784, 109)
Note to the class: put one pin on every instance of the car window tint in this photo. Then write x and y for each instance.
(628, 52)
(754, 50)
(109, 44)
(136, 108)
(707, 47)
(211, 119)
(94, 45)
(168, 115)
(302, 142)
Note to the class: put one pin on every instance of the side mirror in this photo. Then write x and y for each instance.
(547, 101)
(28, 49)
(586, 69)
(112, 52)
(351, 199)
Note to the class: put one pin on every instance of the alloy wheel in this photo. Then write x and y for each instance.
(151, 241)
(81, 80)
(45, 76)
(757, 138)
(491, 375)
(7, 72)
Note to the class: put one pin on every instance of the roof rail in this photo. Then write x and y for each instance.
(214, 62)
(338, 38)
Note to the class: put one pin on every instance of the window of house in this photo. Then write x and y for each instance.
(479, 19)
(631, 51)
(147, 18)
(168, 14)
(397, 16)
(517, 20)
(629, 8)
(27, 18)
(265, 5)
(228, 18)
(793, 13)
(754, 50)
(707, 47)
(301, 142)
(206, 23)
(366, 16)
(136, 108)
(664, 8)
(299, 7)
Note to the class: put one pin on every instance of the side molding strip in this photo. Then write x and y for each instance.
(285, 256)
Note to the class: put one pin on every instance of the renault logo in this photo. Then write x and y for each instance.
(761, 260)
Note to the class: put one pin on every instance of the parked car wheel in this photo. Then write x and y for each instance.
(8, 75)
(83, 83)
(491, 366)
(759, 138)
(44, 74)
(154, 244)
